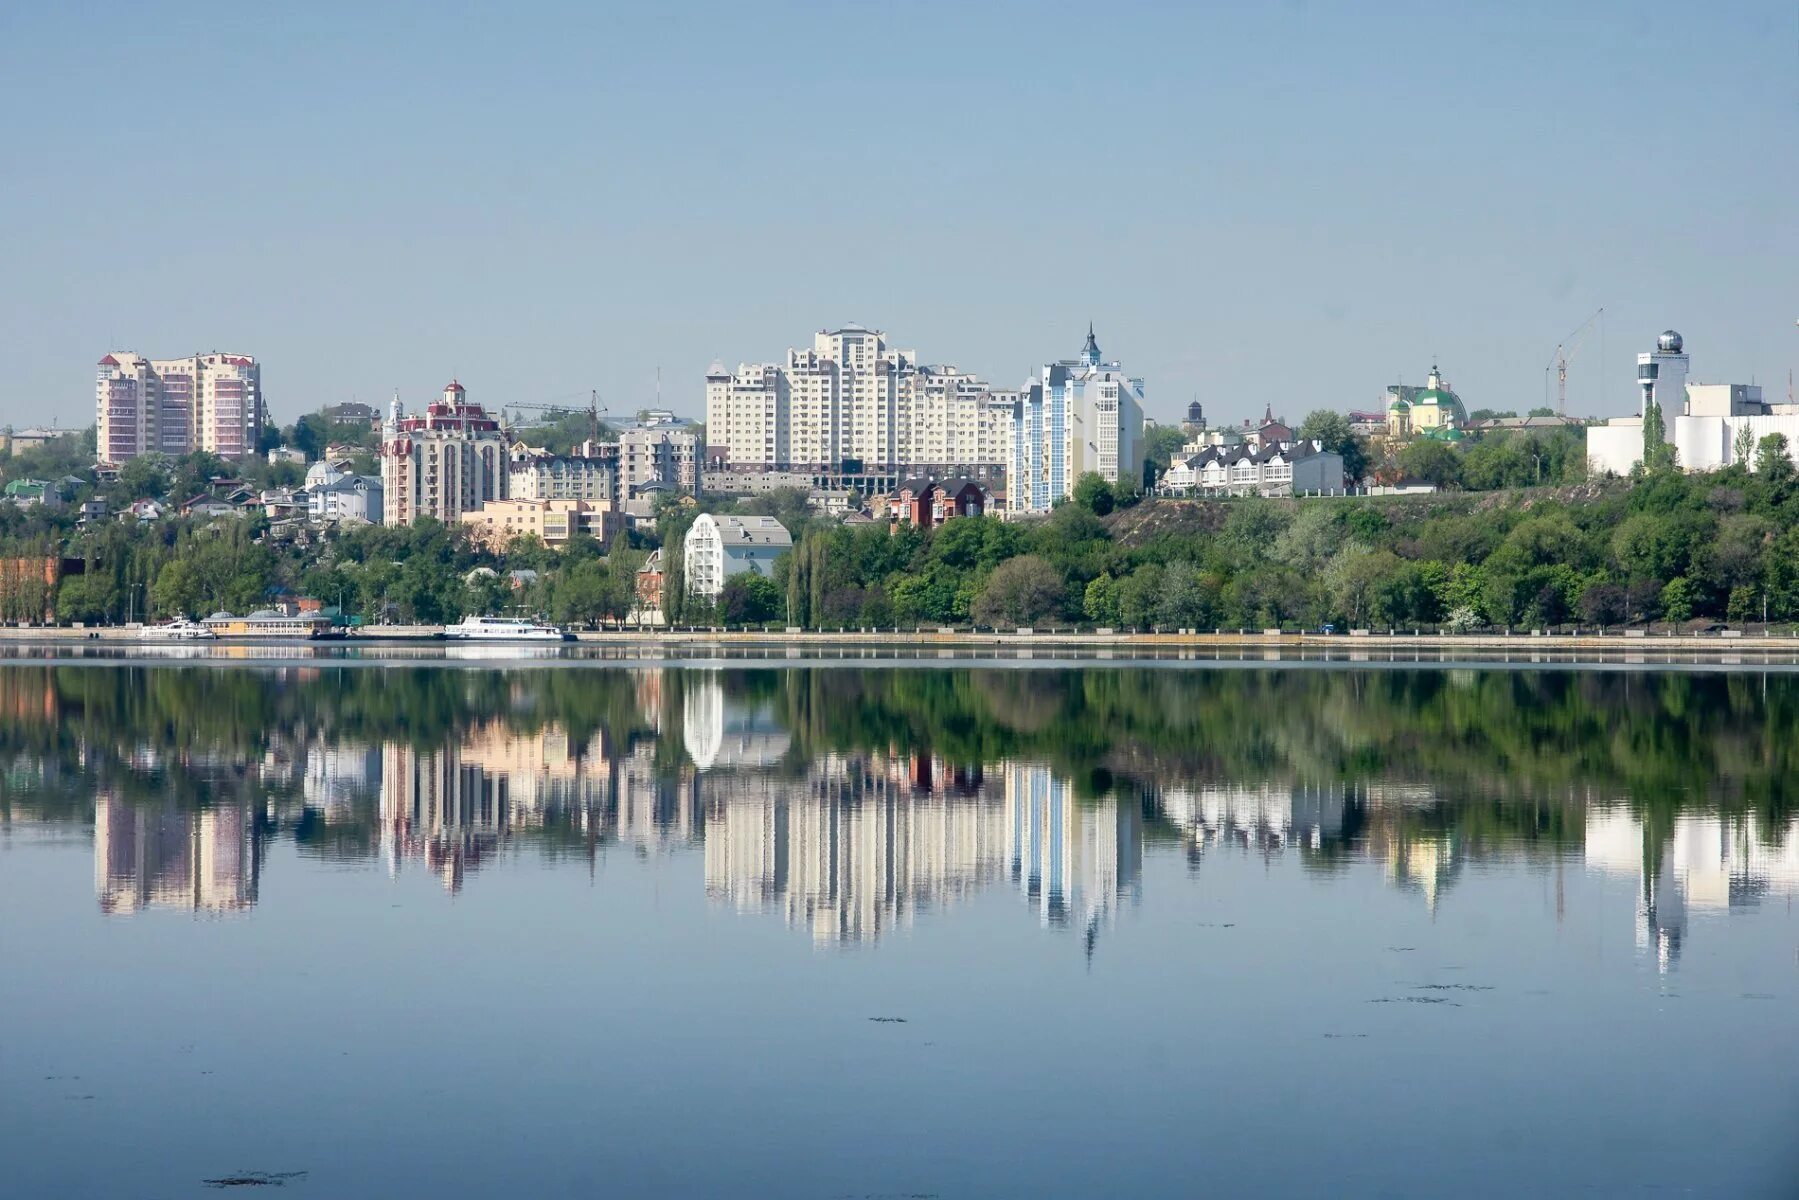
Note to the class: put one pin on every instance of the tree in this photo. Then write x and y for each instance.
(749, 599)
(1773, 460)
(1603, 604)
(1093, 493)
(1100, 602)
(1331, 431)
(1433, 461)
(1161, 444)
(1677, 600)
(1658, 453)
(1189, 600)
(1021, 591)
(1743, 448)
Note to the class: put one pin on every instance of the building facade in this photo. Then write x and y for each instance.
(210, 402)
(1079, 415)
(448, 460)
(553, 522)
(851, 398)
(718, 547)
(589, 474)
(1702, 421)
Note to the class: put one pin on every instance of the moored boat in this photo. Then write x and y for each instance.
(505, 629)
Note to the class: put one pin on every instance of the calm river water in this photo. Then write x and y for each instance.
(804, 930)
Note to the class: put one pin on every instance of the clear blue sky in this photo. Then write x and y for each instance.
(1296, 202)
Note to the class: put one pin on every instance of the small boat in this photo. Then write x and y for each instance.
(505, 629)
(179, 630)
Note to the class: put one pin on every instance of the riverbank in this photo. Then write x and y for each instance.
(1724, 642)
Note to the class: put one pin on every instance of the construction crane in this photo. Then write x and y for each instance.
(1564, 354)
(594, 411)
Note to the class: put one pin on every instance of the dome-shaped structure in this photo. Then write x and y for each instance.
(1446, 402)
(1669, 342)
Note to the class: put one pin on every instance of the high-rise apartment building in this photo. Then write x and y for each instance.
(850, 397)
(1079, 415)
(448, 460)
(173, 406)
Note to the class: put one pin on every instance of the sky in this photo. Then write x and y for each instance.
(1287, 204)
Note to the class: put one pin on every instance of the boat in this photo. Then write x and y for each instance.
(505, 629)
(179, 630)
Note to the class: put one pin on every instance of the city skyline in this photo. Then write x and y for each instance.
(1455, 183)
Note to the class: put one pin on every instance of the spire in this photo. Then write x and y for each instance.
(1090, 352)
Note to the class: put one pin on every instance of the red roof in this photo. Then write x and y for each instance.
(454, 387)
(109, 361)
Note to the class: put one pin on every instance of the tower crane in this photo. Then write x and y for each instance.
(1565, 351)
(594, 410)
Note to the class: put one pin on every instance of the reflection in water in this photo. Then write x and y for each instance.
(849, 802)
(1703, 864)
(146, 858)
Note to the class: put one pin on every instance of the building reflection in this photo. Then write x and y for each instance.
(1074, 860)
(146, 856)
(855, 848)
(1698, 864)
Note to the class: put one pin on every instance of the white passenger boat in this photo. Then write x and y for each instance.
(505, 629)
(179, 630)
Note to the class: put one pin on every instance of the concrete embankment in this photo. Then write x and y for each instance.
(1728, 642)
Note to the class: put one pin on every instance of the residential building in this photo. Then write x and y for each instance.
(364, 416)
(852, 403)
(553, 522)
(1274, 469)
(718, 547)
(344, 498)
(589, 474)
(649, 586)
(1080, 415)
(286, 454)
(448, 460)
(661, 452)
(928, 503)
(1702, 421)
(209, 402)
(30, 439)
(33, 493)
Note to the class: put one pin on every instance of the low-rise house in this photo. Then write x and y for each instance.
(1274, 469)
(91, 511)
(142, 511)
(285, 454)
(650, 584)
(33, 493)
(281, 504)
(344, 499)
(832, 502)
(928, 503)
(286, 621)
(208, 506)
(718, 547)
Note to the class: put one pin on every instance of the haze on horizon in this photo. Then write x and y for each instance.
(1290, 204)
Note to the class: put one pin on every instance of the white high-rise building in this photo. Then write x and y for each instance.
(1079, 415)
(172, 406)
(850, 396)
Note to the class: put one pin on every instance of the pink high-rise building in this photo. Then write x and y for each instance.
(177, 405)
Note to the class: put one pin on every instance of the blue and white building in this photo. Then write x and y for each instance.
(1079, 415)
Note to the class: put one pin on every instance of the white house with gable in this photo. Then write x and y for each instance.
(718, 547)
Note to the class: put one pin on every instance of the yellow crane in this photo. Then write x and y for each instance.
(1565, 351)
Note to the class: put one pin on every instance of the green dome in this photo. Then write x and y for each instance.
(1400, 404)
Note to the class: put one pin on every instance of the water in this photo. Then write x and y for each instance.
(795, 929)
